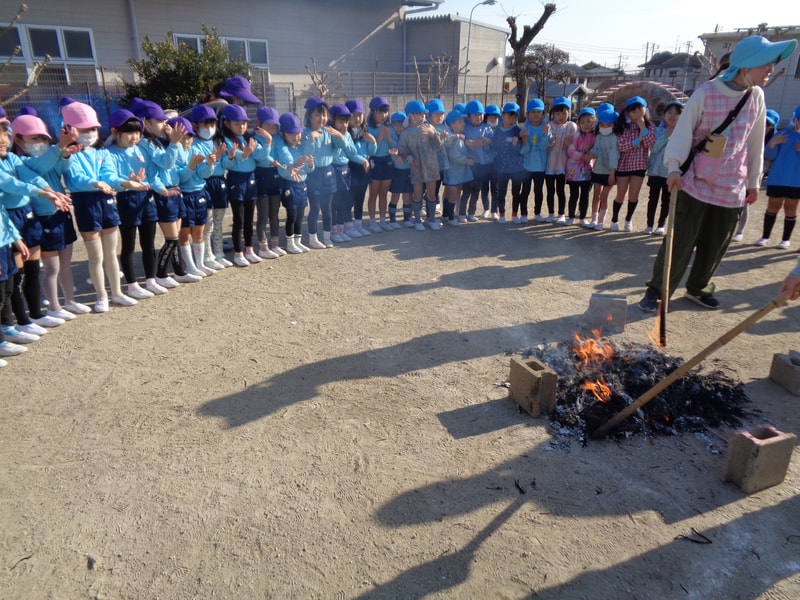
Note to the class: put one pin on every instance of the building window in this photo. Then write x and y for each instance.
(66, 46)
(253, 51)
(192, 41)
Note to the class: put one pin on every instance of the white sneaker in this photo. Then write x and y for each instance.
(3, 363)
(239, 261)
(598, 226)
(101, 306)
(737, 238)
(123, 300)
(408, 224)
(501, 220)
(524, 219)
(472, 218)
(345, 237)
(385, 226)
(659, 231)
(155, 289)
(394, 225)
(33, 329)
(224, 261)
(462, 219)
(375, 227)
(762, 242)
(167, 282)
(614, 227)
(486, 214)
(363, 232)
(550, 218)
(453, 223)
(77, 308)
(648, 229)
(352, 232)
(785, 244)
(434, 225)
(278, 250)
(419, 226)
(587, 224)
(252, 258)
(11, 349)
(188, 278)
(516, 220)
(47, 321)
(495, 217)
(19, 337)
(539, 218)
(206, 270)
(65, 315)
(570, 221)
(214, 264)
(196, 272)
(336, 238)
(267, 253)
(139, 293)
(628, 226)
(561, 220)
(315, 244)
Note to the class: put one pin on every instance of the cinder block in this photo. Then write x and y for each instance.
(607, 312)
(758, 458)
(533, 386)
(785, 372)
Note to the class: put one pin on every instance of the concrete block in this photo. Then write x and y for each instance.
(758, 458)
(786, 373)
(533, 386)
(607, 312)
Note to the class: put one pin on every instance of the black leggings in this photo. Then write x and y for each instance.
(579, 189)
(27, 289)
(658, 188)
(555, 186)
(6, 315)
(243, 211)
(294, 222)
(169, 251)
(147, 242)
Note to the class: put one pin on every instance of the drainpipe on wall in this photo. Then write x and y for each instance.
(137, 52)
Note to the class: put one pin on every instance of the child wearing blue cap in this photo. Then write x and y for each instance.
(783, 185)
(420, 144)
(580, 160)
(401, 187)
(561, 131)
(509, 167)
(459, 171)
(606, 154)
(535, 142)
(657, 170)
(635, 136)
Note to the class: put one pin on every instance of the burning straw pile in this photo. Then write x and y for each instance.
(598, 379)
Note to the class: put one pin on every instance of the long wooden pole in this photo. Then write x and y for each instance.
(665, 290)
(686, 367)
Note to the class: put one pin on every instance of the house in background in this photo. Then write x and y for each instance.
(783, 93)
(682, 71)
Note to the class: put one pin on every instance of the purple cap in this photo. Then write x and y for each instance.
(313, 103)
(234, 112)
(378, 102)
(2, 112)
(240, 87)
(66, 100)
(201, 112)
(267, 114)
(118, 117)
(185, 122)
(355, 106)
(28, 110)
(290, 123)
(146, 109)
(339, 110)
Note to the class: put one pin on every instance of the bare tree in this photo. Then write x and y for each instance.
(520, 46)
(321, 81)
(432, 83)
(37, 66)
(541, 63)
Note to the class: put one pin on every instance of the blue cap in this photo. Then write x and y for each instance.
(201, 112)
(461, 106)
(435, 106)
(757, 51)
(146, 109)
(313, 103)
(607, 116)
(267, 114)
(453, 116)
(673, 103)
(118, 117)
(234, 112)
(290, 123)
(774, 117)
(635, 100)
(562, 101)
(605, 106)
(474, 107)
(493, 109)
(378, 102)
(795, 114)
(587, 111)
(415, 106)
(238, 86)
(355, 106)
(511, 107)
(535, 104)
(399, 116)
(183, 121)
(65, 100)
(339, 110)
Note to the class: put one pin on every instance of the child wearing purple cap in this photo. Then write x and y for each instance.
(380, 164)
(360, 176)
(268, 180)
(295, 163)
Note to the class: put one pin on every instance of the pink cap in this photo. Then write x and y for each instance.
(29, 125)
(80, 116)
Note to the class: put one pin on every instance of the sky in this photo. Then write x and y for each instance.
(610, 31)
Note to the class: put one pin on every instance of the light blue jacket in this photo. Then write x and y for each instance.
(535, 151)
(19, 184)
(785, 169)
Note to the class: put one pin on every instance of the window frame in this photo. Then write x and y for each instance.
(225, 39)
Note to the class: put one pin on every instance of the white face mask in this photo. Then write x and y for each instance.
(34, 149)
(206, 133)
(87, 139)
(605, 130)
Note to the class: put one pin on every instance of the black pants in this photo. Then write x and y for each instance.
(242, 227)
(555, 186)
(658, 188)
(579, 198)
(147, 242)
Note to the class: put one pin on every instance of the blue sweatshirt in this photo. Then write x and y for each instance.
(287, 156)
(116, 168)
(161, 171)
(51, 165)
(8, 234)
(240, 164)
(483, 156)
(507, 147)
(535, 151)
(19, 185)
(323, 147)
(84, 171)
(785, 169)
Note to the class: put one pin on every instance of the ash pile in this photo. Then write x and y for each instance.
(599, 378)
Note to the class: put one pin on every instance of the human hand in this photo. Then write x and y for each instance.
(67, 136)
(196, 160)
(104, 187)
(175, 134)
(546, 129)
(778, 138)
(791, 287)
(751, 196)
(24, 253)
(260, 131)
(250, 148)
(674, 180)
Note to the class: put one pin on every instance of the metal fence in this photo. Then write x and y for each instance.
(103, 89)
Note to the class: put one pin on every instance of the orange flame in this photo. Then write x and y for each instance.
(599, 388)
(592, 352)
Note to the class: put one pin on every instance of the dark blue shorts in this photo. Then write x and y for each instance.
(30, 230)
(783, 191)
(358, 176)
(242, 186)
(601, 178)
(135, 208)
(95, 211)
(401, 182)
(217, 190)
(195, 208)
(380, 168)
(321, 181)
(294, 195)
(58, 232)
(8, 266)
(169, 208)
(342, 174)
(268, 181)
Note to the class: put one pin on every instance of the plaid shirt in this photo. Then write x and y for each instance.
(633, 147)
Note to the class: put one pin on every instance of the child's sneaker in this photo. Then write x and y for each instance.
(495, 217)
(375, 226)
(550, 218)
(524, 218)
(167, 282)
(614, 226)
(762, 242)
(785, 244)
(599, 226)
(588, 224)
(516, 219)
(486, 215)
(47, 321)
(570, 221)
(77, 308)
(419, 226)
(472, 218)
(539, 218)
(462, 219)
(628, 226)
(16, 336)
(10, 349)
(648, 229)
(101, 306)
(123, 300)
(138, 293)
(60, 314)
(501, 219)
(155, 288)
(659, 231)
(408, 224)
(561, 220)
(738, 237)
(453, 223)
(434, 225)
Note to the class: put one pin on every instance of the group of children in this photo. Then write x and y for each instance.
(181, 175)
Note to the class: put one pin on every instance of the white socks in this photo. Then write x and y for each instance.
(50, 282)
(94, 248)
(109, 242)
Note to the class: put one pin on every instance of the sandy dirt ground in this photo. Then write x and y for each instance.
(334, 425)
